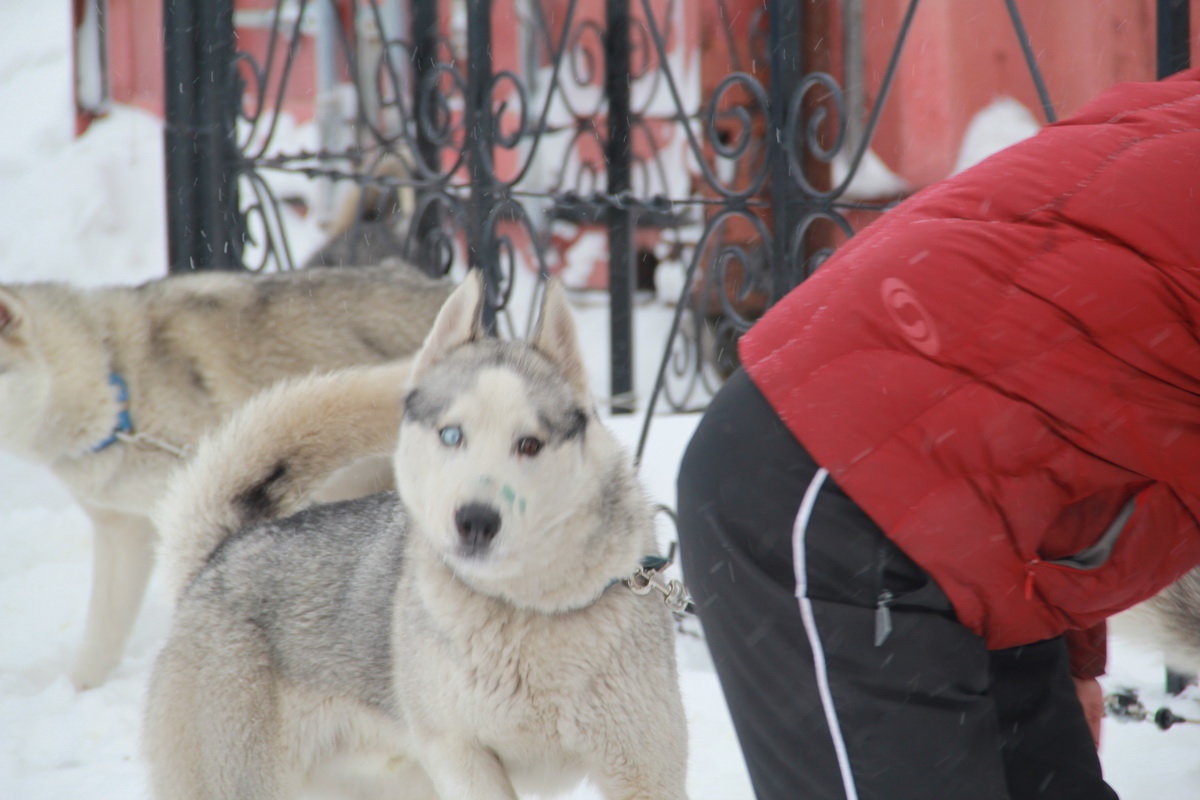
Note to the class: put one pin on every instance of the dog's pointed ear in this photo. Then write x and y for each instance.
(12, 317)
(555, 337)
(460, 321)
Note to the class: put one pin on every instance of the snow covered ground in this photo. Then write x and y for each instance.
(89, 211)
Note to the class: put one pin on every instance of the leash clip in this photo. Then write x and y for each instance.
(648, 577)
(640, 582)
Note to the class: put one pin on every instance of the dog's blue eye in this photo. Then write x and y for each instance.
(451, 435)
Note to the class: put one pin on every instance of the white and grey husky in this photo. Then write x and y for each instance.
(1169, 622)
(473, 625)
(110, 387)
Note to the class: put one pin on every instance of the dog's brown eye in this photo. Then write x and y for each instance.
(529, 446)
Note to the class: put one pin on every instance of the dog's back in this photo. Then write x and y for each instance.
(190, 348)
(231, 337)
(318, 587)
(286, 629)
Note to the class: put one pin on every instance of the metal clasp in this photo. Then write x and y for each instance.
(647, 578)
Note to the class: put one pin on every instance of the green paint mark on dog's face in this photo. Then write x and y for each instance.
(507, 493)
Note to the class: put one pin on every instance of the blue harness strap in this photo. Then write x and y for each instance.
(124, 421)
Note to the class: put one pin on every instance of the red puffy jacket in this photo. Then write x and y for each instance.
(1004, 370)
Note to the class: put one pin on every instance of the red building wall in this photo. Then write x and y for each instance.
(962, 56)
(959, 57)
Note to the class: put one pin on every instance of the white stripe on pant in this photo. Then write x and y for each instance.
(814, 637)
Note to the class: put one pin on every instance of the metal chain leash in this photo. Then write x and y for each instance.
(1125, 706)
(148, 442)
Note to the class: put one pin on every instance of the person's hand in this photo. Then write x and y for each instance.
(1091, 697)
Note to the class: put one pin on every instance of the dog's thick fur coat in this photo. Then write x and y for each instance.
(472, 624)
(188, 350)
(1169, 622)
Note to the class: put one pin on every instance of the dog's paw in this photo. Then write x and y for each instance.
(89, 674)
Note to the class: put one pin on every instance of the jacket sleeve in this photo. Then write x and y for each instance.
(1088, 650)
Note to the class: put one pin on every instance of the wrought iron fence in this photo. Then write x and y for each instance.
(571, 126)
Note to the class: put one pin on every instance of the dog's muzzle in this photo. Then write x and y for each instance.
(477, 525)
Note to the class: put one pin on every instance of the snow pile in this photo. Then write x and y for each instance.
(1001, 124)
(872, 179)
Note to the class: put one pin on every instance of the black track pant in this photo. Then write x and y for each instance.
(833, 692)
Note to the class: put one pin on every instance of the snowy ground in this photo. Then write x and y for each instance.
(90, 212)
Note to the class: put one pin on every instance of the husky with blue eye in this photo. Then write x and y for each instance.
(473, 626)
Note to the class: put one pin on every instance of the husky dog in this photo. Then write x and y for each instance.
(109, 388)
(1170, 622)
(366, 224)
(473, 624)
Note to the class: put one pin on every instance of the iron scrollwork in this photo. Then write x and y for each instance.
(732, 190)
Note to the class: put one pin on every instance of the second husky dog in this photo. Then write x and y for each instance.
(366, 226)
(1169, 622)
(474, 624)
(109, 387)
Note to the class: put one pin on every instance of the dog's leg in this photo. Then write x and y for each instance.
(460, 770)
(644, 746)
(213, 728)
(122, 558)
(366, 778)
(638, 776)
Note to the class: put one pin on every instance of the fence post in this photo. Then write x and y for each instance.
(1174, 53)
(423, 22)
(204, 226)
(481, 250)
(1174, 26)
(618, 154)
(784, 37)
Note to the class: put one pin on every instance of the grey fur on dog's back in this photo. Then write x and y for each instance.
(316, 583)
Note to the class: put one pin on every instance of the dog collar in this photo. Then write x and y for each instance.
(124, 420)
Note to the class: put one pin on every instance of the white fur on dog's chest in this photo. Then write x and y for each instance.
(525, 685)
(527, 710)
(511, 670)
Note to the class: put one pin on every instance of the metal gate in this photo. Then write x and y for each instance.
(565, 122)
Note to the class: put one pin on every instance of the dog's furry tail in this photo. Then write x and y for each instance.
(269, 458)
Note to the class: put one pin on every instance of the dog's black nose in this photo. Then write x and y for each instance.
(477, 525)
